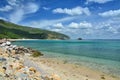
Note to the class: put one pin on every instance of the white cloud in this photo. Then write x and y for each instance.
(46, 8)
(16, 16)
(47, 23)
(81, 25)
(58, 25)
(85, 25)
(110, 13)
(20, 11)
(3, 18)
(88, 31)
(113, 30)
(31, 8)
(98, 1)
(108, 27)
(6, 8)
(13, 2)
(56, 30)
(74, 25)
(74, 11)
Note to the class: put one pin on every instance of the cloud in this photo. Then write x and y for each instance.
(110, 13)
(113, 30)
(17, 16)
(46, 8)
(48, 23)
(74, 11)
(20, 11)
(58, 25)
(108, 27)
(56, 30)
(6, 8)
(74, 25)
(3, 18)
(81, 25)
(13, 2)
(98, 1)
(31, 8)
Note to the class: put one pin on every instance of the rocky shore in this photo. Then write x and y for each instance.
(13, 65)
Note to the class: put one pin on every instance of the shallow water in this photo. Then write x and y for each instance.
(103, 55)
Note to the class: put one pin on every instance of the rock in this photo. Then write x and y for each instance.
(21, 76)
(79, 39)
(32, 69)
(36, 53)
(52, 77)
(13, 68)
(2, 71)
(8, 43)
(3, 44)
(2, 59)
(46, 78)
(55, 77)
(5, 55)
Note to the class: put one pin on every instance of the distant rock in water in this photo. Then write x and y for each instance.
(79, 39)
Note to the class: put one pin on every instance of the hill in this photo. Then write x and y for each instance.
(14, 31)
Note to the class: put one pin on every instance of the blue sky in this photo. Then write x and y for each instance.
(89, 19)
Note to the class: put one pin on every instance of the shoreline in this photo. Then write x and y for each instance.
(12, 40)
(63, 69)
(96, 64)
(68, 71)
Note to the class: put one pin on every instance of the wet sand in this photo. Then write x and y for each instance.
(68, 71)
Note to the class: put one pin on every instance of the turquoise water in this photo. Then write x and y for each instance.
(103, 55)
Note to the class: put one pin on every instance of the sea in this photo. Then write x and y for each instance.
(101, 55)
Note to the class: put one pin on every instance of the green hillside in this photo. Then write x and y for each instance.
(14, 31)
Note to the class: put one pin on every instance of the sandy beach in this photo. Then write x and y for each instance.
(68, 71)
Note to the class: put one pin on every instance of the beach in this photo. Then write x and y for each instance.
(59, 68)
(78, 59)
(68, 71)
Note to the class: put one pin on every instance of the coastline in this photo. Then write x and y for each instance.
(12, 40)
(68, 71)
(65, 70)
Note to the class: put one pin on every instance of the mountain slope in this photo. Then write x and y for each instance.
(14, 31)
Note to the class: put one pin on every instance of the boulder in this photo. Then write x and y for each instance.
(8, 43)
(36, 53)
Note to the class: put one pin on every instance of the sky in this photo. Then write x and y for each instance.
(88, 19)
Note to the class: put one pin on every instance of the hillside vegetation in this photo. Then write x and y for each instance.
(14, 31)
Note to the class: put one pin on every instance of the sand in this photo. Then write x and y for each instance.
(68, 71)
